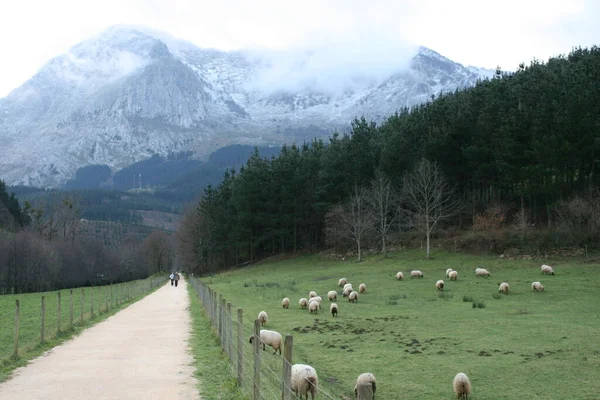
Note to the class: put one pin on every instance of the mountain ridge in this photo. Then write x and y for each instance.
(125, 95)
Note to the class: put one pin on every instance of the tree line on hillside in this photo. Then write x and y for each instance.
(48, 252)
(520, 147)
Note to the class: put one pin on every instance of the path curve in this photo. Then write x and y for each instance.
(139, 353)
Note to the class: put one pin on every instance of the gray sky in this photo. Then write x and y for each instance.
(473, 32)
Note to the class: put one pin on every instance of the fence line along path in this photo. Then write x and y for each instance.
(139, 353)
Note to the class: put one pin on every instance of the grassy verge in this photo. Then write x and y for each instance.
(415, 338)
(30, 345)
(212, 367)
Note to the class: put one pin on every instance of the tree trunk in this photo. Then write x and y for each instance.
(383, 245)
(359, 253)
(428, 248)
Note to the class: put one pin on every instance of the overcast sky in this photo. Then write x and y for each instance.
(473, 32)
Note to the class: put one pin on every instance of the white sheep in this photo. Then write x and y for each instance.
(439, 285)
(263, 317)
(285, 303)
(314, 306)
(353, 296)
(482, 272)
(332, 295)
(362, 288)
(347, 292)
(400, 276)
(546, 269)
(537, 286)
(453, 275)
(416, 274)
(461, 386)
(365, 387)
(317, 298)
(342, 282)
(503, 288)
(347, 285)
(304, 381)
(312, 294)
(333, 308)
(303, 302)
(271, 338)
(448, 272)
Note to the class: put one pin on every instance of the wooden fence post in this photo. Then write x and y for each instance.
(223, 324)
(17, 313)
(220, 317)
(229, 332)
(71, 309)
(287, 368)
(82, 302)
(42, 338)
(58, 316)
(215, 309)
(240, 346)
(256, 342)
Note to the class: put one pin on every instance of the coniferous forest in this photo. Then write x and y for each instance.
(522, 147)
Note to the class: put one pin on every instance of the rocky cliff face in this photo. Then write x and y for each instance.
(127, 94)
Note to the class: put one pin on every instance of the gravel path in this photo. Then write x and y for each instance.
(139, 353)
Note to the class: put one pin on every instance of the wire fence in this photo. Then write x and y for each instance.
(261, 372)
(29, 321)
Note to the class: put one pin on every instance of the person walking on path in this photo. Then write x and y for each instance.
(176, 278)
(172, 278)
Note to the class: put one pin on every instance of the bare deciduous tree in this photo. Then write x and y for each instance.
(383, 200)
(428, 197)
(351, 220)
(158, 248)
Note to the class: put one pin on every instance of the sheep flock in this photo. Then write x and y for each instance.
(305, 381)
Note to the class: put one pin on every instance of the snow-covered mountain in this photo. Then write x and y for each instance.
(129, 93)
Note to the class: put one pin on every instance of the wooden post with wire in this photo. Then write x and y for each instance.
(229, 332)
(287, 368)
(223, 325)
(70, 308)
(256, 342)
(15, 354)
(42, 338)
(240, 346)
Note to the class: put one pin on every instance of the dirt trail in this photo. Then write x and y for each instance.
(139, 353)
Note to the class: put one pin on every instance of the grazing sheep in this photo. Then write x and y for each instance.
(416, 274)
(332, 295)
(461, 386)
(448, 272)
(342, 282)
(314, 306)
(537, 286)
(365, 387)
(312, 294)
(304, 381)
(263, 317)
(362, 288)
(439, 285)
(347, 292)
(453, 275)
(400, 276)
(303, 302)
(482, 272)
(347, 285)
(333, 308)
(272, 338)
(285, 303)
(503, 288)
(546, 269)
(352, 297)
(317, 298)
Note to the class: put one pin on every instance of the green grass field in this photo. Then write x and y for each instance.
(30, 317)
(415, 339)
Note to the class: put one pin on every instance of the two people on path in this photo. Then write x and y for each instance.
(174, 277)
